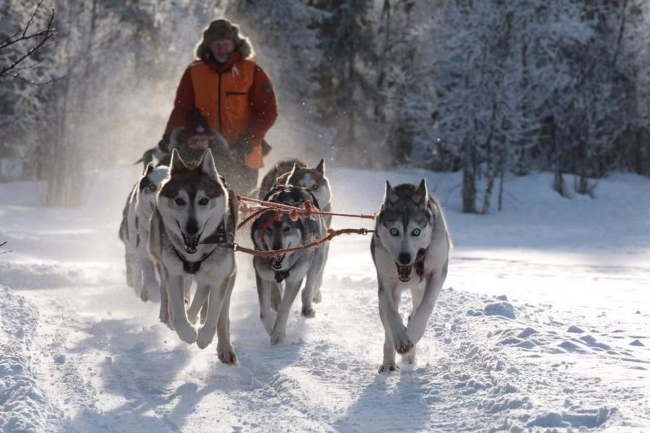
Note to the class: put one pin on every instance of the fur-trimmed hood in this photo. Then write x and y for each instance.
(216, 29)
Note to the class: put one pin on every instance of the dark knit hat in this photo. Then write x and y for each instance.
(196, 124)
(221, 29)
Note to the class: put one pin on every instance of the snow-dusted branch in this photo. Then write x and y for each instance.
(42, 36)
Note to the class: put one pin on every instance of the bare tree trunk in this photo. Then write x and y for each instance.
(469, 177)
(559, 184)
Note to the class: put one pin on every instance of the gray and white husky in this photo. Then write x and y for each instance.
(134, 232)
(410, 249)
(293, 171)
(292, 268)
(192, 231)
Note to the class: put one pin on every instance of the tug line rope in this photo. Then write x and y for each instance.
(260, 206)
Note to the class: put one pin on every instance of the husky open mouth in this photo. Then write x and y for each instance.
(191, 242)
(275, 262)
(404, 271)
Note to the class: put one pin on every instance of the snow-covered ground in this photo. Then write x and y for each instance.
(80, 353)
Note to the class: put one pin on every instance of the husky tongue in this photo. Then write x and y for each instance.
(191, 243)
(404, 272)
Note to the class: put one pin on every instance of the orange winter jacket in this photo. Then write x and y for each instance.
(237, 99)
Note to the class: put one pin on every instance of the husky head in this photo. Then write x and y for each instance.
(192, 201)
(314, 179)
(404, 224)
(148, 186)
(281, 231)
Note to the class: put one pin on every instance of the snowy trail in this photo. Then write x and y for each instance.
(87, 355)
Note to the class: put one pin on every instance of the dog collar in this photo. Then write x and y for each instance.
(280, 276)
(218, 237)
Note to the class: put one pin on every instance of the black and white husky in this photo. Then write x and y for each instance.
(410, 249)
(192, 231)
(134, 232)
(270, 231)
(293, 171)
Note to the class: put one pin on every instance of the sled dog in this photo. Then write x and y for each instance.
(293, 171)
(410, 249)
(134, 232)
(192, 231)
(292, 268)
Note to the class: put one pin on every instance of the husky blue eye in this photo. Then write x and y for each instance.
(203, 201)
(152, 187)
(286, 229)
(416, 232)
(394, 232)
(314, 188)
(179, 201)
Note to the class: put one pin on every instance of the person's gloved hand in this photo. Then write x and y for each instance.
(266, 148)
(239, 151)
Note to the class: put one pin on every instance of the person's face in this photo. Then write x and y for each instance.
(222, 48)
(198, 142)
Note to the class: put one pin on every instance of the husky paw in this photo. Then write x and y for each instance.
(268, 320)
(277, 337)
(144, 295)
(409, 357)
(388, 368)
(186, 332)
(205, 336)
(308, 312)
(318, 297)
(226, 354)
(403, 343)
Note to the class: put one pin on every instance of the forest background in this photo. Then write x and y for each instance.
(491, 88)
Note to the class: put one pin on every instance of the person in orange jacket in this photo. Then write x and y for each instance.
(236, 97)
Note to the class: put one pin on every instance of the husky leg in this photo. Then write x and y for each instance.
(318, 297)
(136, 273)
(263, 293)
(291, 289)
(421, 314)
(224, 347)
(165, 316)
(276, 295)
(313, 277)
(216, 298)
(388, 364)
(389, 300)
(416, 297)
(184, 329)
(128, 258)
(198, 303)
(150, 284)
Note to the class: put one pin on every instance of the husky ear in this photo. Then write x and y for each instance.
(420, 195)
(390, 195)
(291, 173)
(321, 167)
(148, 169)
(177, 163)
(207, 165)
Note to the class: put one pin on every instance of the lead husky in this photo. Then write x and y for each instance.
(192, 231)
(134, 231)
(410, 234)
(269, 232)
(293, 171)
